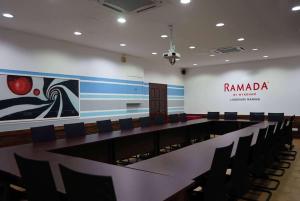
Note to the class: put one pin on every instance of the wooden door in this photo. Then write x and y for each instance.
(158, 99)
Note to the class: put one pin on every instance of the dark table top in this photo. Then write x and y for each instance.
(195, 160)
(98, 137)
(130, 184)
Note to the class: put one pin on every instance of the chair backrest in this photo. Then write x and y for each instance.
(257, 116)
(275, 116)
(257, 167)
(80, 186)
(182, 117)
(240, 183)
(104, 126)
(260, 142)
(145, 122)
(215, 189)
(213, 115)
(159, 120)
(74, 130)
(173, 118)
(269, 140)
(43, 133)
(37, 179)
(230, 115)
(126, 124)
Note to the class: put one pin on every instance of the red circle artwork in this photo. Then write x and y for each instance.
(36, 92)
(19, 85)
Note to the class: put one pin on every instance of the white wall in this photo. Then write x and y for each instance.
(27, 52)
(204, 87)
(21, 51)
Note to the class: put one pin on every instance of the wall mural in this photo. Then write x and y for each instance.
(28, 97)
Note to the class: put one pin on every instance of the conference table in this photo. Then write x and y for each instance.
(164, 177)
(188, 163)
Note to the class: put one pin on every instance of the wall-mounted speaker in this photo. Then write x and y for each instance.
(183, 71)
(123, 59)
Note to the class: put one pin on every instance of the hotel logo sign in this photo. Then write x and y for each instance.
(246, 91)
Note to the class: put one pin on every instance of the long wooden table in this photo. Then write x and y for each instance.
(164, 177)
(192, 161)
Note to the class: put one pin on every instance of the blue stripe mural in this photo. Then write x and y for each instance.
(104, 89)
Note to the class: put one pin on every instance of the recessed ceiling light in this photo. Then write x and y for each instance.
(254, 49)
(7, 15)
(212, 55)
(227, 60)
(266, 56)
(77, 33)
(154, 53)
(221, 24)
(195, 64)
(192, 47)
(123, 45)
(185, 1)
(121, 20)
(296, 8)
(177, 59)
(164, 36)
(241, 39)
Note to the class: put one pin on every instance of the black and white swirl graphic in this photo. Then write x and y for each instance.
(55, 98)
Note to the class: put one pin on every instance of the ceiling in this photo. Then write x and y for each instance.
(268, 25)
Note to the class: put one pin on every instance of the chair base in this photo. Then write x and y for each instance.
(274, 173)
(263, 187)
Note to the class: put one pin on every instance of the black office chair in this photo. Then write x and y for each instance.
(173, 118)
(37, 179)
(239, 181)
(104, 126)
(4, 191)
(213, 115)
(182, 117)
(126, 124)
(214, 189)
(80, 186)
(230, 116)
(257, 116)
(279, 117)
(257, 166)
(145, 122)
(287, 150)
(74, 130)
(43, 133)
(159, 120)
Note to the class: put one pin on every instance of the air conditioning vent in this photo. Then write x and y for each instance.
(227, 50)
(124, 6)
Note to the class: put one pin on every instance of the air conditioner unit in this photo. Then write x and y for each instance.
(124, 6)
(227, 50)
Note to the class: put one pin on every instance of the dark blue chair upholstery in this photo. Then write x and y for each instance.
(38, 180)
(213, 115)
(173, 118)
(74, 130)
(279, 117)
(145, 122)
(104, 126)
(182, 117)
(230, 115)
(159, 120)
(80, 186)
(257, 116)
(126, 124)
(43, 133)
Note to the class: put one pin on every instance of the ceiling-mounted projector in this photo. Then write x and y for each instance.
(171, 55)
(125, 6)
